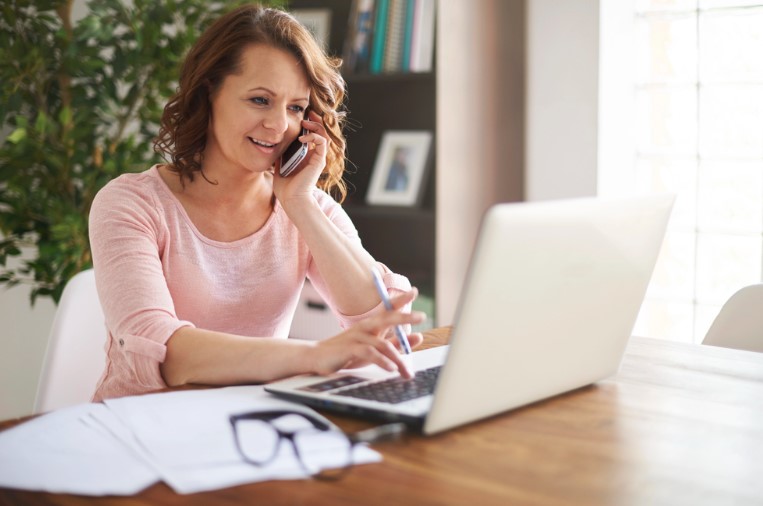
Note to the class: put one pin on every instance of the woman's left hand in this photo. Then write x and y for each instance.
(300, 183)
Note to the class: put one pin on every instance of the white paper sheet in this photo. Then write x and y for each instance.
(124, 445)
(189, 440)
(59, 452)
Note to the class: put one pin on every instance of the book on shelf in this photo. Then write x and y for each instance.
(386, 36)
(395, 37)
(422, 33)
(357, 52)
(380, 34)
(410, 10)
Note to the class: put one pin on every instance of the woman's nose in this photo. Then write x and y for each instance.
(277, 121)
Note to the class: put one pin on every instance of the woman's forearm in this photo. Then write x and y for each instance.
(343, 264)
(216, 358)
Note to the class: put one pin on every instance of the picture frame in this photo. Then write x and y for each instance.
(401, 164)
(318, 21)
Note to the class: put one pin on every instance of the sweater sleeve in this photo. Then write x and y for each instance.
(395, 283)
(127, 234)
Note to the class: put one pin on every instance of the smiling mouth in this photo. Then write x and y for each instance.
(261, 143)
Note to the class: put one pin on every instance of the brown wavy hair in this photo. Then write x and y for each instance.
(217, 53)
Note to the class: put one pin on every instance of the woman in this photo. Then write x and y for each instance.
(199, 262)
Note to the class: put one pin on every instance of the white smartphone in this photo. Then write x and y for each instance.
(293, 156)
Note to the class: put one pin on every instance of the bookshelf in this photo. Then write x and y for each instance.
(401, 237)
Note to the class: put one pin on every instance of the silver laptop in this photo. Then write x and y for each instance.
(548, 305)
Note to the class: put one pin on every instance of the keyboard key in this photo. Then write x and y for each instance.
(332, 384)
(395, 390)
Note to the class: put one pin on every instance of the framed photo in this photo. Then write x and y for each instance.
(318, 21)
(400, 167)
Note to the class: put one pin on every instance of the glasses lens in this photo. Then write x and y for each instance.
(257, 440)
(323, 452)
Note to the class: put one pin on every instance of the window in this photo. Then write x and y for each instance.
(696, 129)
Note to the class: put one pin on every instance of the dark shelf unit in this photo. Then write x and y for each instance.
(403, 238)
(380, 103)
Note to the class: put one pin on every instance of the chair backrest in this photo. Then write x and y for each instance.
(740, 321)
(75, 357)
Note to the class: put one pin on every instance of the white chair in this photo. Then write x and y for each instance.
(740, 322)
(313, 320)
(75, 357)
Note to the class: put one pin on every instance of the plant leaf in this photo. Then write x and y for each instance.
(17, 135)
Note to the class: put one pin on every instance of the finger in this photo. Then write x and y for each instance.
(394, 350)
(390, 351)
(315, 125)
(368, 349)
(316, 145)
(401, 299)
(314, 140)
(314, 117)
(415, 339)
(381, 359)
(381, 322)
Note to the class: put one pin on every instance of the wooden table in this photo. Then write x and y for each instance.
(680, 424)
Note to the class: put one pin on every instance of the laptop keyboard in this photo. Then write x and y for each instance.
(396, 390)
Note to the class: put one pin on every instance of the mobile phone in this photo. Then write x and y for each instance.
(293, 156)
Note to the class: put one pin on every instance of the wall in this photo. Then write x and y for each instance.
(22, 347)
(480, 120)
(517, 116)
(562, 99)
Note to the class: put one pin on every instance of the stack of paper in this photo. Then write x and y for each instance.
(125, 445)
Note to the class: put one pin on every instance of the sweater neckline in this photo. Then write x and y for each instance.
(154, 172)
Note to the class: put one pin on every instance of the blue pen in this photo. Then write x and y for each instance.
(401, 337)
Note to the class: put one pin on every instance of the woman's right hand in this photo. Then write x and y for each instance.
(371, 341)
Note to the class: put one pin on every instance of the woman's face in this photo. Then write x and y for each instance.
(257, 112)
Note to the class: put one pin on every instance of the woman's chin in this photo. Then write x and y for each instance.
(257, 168)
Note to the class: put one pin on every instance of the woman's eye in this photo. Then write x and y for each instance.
(297, 108)
(259, 100)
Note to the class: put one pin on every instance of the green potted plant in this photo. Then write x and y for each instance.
(80, 102)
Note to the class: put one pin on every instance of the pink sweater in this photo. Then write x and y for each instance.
(155, 273)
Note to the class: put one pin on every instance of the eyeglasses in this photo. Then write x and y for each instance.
(323, 452)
